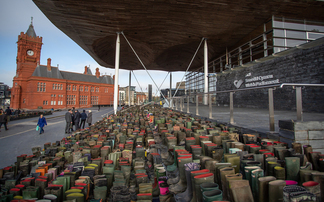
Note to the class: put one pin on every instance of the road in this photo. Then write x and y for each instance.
(22, 134)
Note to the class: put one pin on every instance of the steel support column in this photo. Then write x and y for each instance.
(188, 104)
(205, 98)
(129, 90)
(197, 112)
(299, 104)
(170, 93)
(116, 73)
(271, 110)
(210, 106)
(231, 108)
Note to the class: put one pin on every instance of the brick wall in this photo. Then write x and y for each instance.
(301, 66)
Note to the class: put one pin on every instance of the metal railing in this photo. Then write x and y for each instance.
(179, 101)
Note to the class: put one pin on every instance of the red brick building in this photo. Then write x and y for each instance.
(43, 86)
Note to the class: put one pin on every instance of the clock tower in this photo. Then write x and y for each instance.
(28, 57)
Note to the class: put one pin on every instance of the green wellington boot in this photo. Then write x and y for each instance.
(276, 190)
(255, 175)
(241, 191)
(264, 188)
(208, 186)
(248, 170)
(279, 173)
(235, 161)
(199, 179)
(100, 193)
(213, 195)
(193, 174)
(292, 168)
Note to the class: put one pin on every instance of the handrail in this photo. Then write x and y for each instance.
(258, 87)
(297, 86)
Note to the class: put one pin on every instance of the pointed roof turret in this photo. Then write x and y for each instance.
(31, 32)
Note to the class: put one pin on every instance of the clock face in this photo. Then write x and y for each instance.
(30, 52)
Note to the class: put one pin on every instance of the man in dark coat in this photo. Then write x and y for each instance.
(3, 119)
(8, 114)
(77, 117)
(83, 119)
(68, 119)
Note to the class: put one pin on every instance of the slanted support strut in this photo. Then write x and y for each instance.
(116, 73)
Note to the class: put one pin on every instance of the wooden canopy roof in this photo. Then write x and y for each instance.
(166, 33)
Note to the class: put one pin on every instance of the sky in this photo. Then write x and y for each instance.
(16, 16)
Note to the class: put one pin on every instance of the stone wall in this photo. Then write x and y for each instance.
(306, 133)
(300, 66)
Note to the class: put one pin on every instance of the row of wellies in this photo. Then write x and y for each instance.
(175, 158)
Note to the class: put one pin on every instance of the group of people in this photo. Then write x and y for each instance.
(75, 118)
(5, 117)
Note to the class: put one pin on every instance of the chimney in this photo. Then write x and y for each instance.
(85, 70)
(49, 68)
(97, 73)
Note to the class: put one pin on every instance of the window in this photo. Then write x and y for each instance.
(92, 89)
(24, 100)
(74, 87)
(61, 87)
(106, 90)
(94, 100)
(83, 99)
(97, 89)
(81, 88)
(53, 86)
(45, 102)
(70, 99)
(41, 87)
(86, 88)
(68, 87)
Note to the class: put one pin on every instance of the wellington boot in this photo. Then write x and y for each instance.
(307, 150)
(313, 187)
(211, 165)
(279, 173)
(173, 177)
(196, 152)
(75, 196)
(292, 168)
(199, 179)
(203, 160)
(217, 139)
(235, 161)
(314, 159)
(218, 166)
(212, 195)
(228, 178)
(193, 174)
(223, 172)
(297, 147)
(208, 186)
(270, 167)
(259, 158)
(241, 191)
(287, 190)
(182, 184)
(100, 193)
(256, 174)
(217, 154)
(264, 188)
(146, 196)
(276, 190)
(165, 198)
(188, 194)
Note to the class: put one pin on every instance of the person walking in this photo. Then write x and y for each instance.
(3, 119)
(83, 119)
(68, 119)
(73, 114)
(89, 119)
(77, 117)
(8, 114)
(98, 107)
(41, 123)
